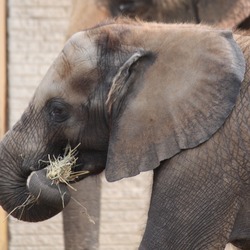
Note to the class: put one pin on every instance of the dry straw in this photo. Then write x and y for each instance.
(61, 168)
(29, 202)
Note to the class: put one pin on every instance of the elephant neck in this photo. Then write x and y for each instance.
(234, 136)
(190, 204)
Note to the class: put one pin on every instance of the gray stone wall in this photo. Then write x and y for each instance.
(36, 31)
(124, 212)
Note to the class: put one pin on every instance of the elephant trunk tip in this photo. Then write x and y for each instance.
(46, 191)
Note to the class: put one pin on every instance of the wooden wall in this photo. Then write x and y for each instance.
(3, 108)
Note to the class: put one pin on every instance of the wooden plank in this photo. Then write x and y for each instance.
(3, 90)
(3, 109)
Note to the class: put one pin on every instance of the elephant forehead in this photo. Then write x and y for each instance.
(73, 74)
(81, 50)
(78, 57)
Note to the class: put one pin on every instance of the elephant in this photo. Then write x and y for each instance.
(133, 96)
(222, 13)
(86, 13)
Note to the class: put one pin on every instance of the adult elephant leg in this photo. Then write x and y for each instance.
(79, 230)
(241, 230)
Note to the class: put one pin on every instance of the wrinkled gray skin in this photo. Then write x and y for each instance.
(137, 97)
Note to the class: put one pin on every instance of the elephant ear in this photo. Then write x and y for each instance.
(176, 100)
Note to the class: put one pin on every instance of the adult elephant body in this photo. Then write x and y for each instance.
(222, 13)
(134, 97)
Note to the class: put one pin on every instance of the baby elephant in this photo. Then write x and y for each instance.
(129, 96)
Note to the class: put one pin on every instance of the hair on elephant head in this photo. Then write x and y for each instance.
(135, 97)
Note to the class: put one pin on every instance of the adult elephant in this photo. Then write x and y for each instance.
(135, 97)
(222, 13)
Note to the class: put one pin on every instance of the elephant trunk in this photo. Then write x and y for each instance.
(26, 193)
(46, 191)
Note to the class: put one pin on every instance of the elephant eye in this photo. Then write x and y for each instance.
(127, 7)
(131, 8)
(58, 110)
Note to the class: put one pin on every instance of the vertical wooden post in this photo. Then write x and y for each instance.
(3, 109)
(3, 48)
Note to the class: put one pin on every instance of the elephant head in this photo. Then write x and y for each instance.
(133, 96)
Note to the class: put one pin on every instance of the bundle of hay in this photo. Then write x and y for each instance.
(61, 169)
